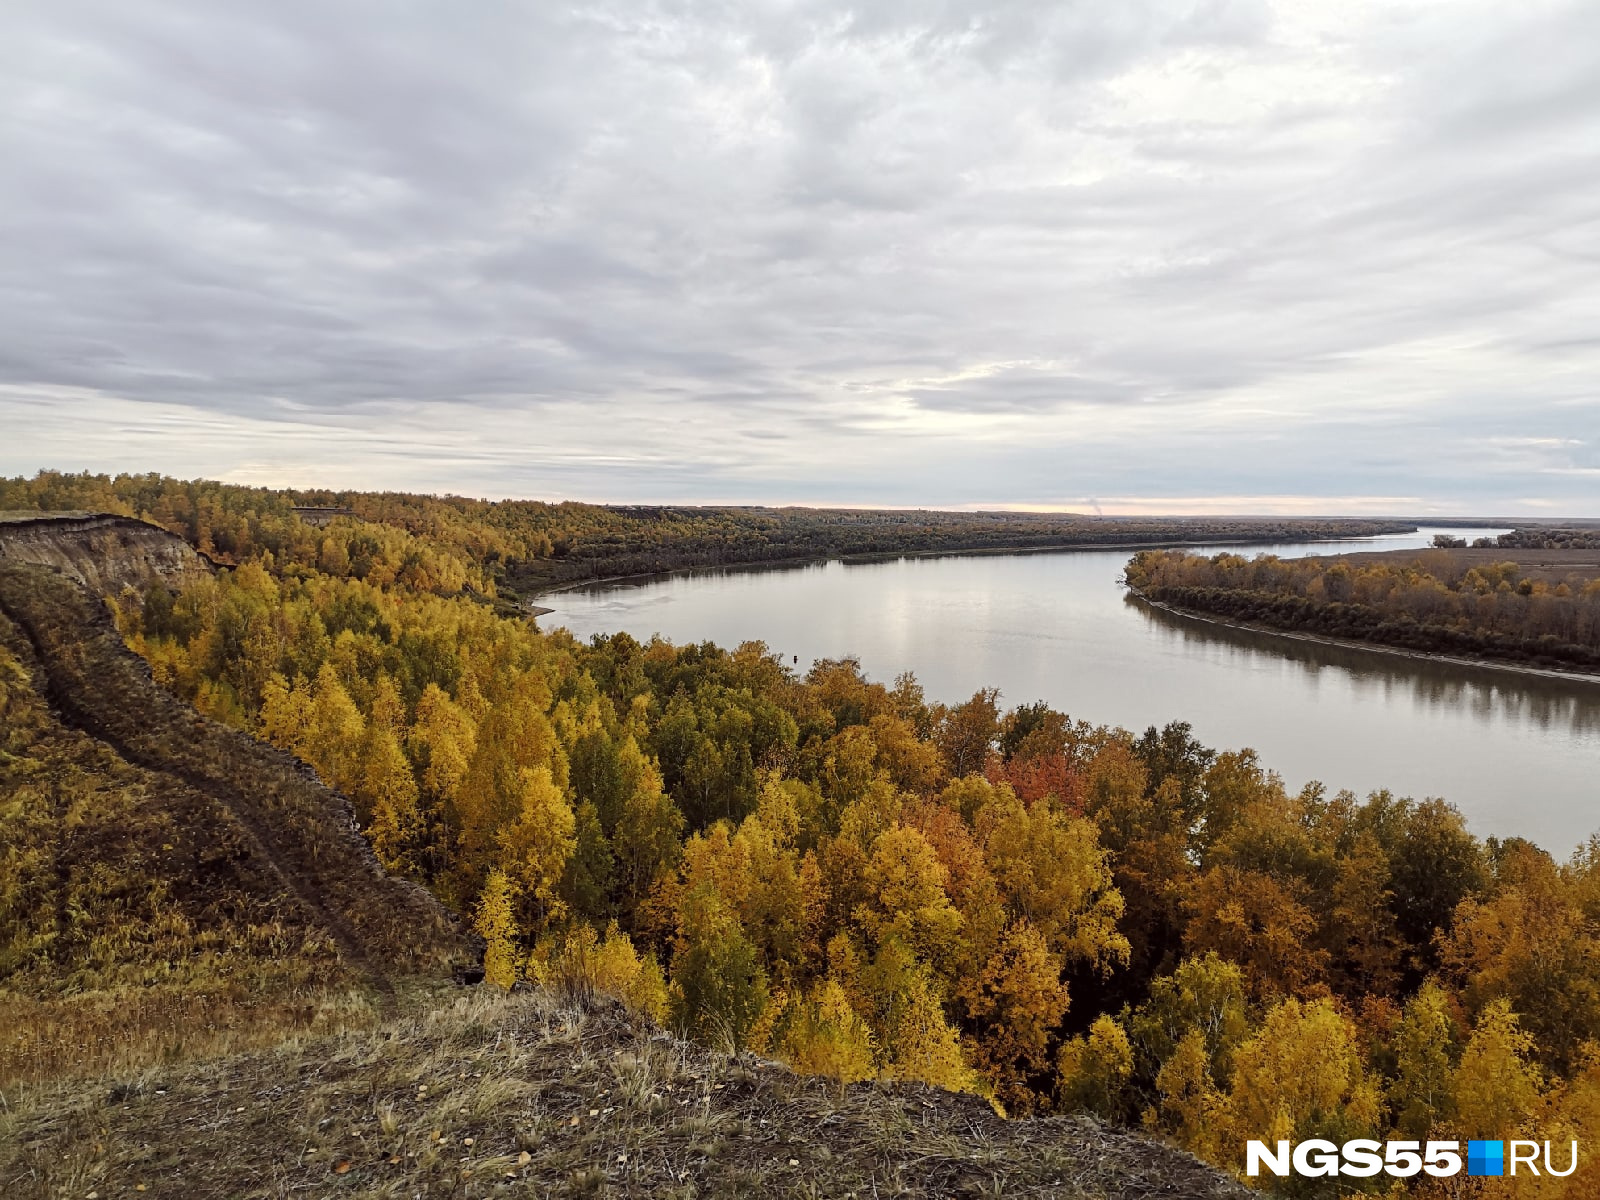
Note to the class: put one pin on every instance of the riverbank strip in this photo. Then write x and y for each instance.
(860, 560)
(1458, 660)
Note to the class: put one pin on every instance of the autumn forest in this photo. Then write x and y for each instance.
(845, 875)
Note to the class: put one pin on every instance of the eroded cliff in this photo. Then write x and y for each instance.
(104, 552)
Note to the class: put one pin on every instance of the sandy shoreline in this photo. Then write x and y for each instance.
(1455, 660)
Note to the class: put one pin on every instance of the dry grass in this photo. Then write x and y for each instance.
(530, 1095)
(125, 1031)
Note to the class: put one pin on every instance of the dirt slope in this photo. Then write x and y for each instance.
(294, 831)
(168, 886)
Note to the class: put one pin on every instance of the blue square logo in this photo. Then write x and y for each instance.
(1486, 1158)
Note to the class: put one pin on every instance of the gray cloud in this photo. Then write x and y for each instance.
(952, 253)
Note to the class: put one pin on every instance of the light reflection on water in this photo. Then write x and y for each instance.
(1518, 754)
(1486, 693)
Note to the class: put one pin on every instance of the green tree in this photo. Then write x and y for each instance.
(718, 988)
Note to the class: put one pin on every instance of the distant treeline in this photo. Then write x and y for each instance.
(1436, 602)
(1551, 539)
(522, 546)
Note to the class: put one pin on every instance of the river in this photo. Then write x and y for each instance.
(1518, 754)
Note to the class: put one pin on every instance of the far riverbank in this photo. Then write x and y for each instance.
(888, 556)
(1457, 660)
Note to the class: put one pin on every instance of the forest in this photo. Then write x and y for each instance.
(523, 546)
(865, 883)
(1553, 538)
(1448, 601)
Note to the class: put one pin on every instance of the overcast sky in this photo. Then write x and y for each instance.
(1151, 255)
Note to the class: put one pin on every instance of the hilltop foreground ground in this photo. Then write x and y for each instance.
(535, 1095)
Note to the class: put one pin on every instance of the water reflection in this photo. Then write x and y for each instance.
(1486, 694)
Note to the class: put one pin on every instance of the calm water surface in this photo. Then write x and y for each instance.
(1517, 754)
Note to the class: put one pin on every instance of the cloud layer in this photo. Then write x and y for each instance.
(1152, 253)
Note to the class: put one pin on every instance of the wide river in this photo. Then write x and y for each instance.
(1518, 754)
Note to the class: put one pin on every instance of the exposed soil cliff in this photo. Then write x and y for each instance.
(106, 553)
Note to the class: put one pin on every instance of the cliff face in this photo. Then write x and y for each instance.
(103, 552)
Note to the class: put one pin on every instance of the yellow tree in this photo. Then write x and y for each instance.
(13, 676)
(1205, 996)
(911, 764)
(1251, 918)
(906, 898)
(514, 738)
(966, 734)
(1300, 1074)
(1496, 1089)
(1572, 1114)
(758, 876)
(495, 922)
(285, 713)
(915, 1037)
(828, 1037)
(388, 707)
(1420, 1095)
(1015, 1008)
(535, 847)
(848, 765)
(442, 740)
(773, 899)
(1093, 1070)
(388, 793)
(970, 885)
(334, 733)
(1361, 935)
(575, 961)
(1148, 835)
(648, 836)
(635, 979)
(1533, 943)
(1053, 871)
(1191, 1106)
